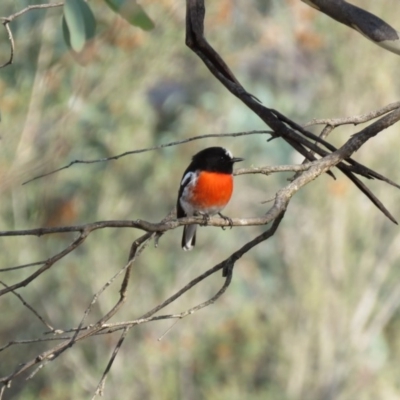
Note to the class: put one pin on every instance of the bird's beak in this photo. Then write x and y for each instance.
(237, 159)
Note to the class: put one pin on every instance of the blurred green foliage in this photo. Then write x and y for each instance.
(78, 24)
(311, 314)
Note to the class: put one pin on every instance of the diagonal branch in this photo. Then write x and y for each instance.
(27, 305)
(100, 386)
(48, 264)
(281, 201)
(294, 135)
(53, 353)
(274, 214)
(83, 333)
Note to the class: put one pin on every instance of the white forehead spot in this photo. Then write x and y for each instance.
(228, 153)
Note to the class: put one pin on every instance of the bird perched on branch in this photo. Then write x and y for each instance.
(206, 188)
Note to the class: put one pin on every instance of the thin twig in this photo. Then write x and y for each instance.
(11, 17)
(168, 330)
(100, 386)
(49, 263)
(133, 254)
(272, 169)
(127, 153)
(282, 199)
(37, 369)
(296, 136)
(323, 135)
(6, 23)
(227, 268)
(29, 307)
(3, 388)
(136, 248)
(355, 119)
(12, 47)
(29, 341)
(22, 266)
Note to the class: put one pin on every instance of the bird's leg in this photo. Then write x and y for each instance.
(205, 216)
(226, 219)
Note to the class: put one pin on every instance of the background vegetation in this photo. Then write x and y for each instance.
(312, 313)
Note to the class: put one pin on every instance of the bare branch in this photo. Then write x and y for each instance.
(227, 268)
(323, 165)
(136, 248)
(356, 119)
(37, 369)
(226, 265)
(127, 153)
(38, 340)
(22, 266)
(320, 156)
(100, 386)
(295, 135)
(139, 224)
(11, 17)
(53, 353)
(275, 213)
(272, 169)
(6, 23)
(323, 135)
(12, 50)
(2, 390)
(50, 262)
(30, 308)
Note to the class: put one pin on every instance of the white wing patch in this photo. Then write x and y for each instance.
(190, 176)
(188, 180)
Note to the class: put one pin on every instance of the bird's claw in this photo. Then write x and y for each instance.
(226, 219)
(206, 219)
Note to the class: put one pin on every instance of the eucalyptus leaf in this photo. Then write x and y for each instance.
(132, 12)
(65, 31)
(78, 25)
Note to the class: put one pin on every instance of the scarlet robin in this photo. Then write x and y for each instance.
(206, 188)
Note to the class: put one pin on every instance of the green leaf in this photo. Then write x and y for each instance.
(115, 5)
(78, 24)
(141, 19)
(132, 12)
(90, 21)
(65, 31)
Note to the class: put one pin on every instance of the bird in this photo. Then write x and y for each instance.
(205, 189)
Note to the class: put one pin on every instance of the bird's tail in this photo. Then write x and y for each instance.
(189, 237)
